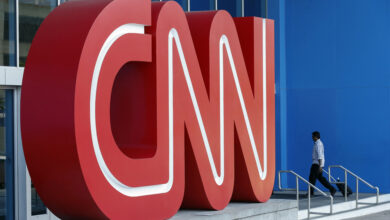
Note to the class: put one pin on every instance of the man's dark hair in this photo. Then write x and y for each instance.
(316, 134)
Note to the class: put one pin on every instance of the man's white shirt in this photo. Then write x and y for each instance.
(318, 153)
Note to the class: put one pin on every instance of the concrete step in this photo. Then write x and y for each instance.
(348, 209)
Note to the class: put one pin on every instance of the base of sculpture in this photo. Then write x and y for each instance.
(273, 209)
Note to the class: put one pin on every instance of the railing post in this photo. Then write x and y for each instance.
(357, 192)
(331, 205)
(345, 186)
(377, 195)
(297, 184)
(308, 203)
(297, 178)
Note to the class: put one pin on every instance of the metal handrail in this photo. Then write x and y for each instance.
(297, 177)
(346, 171)
(329, 176)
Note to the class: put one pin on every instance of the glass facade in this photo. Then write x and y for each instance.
(37, 206)
(31, 15)
(6, 155)
(202, 5)
(256, 8)
(237, 8)
(184, 4)
(234, 7)
(8, 33)
(3, 195)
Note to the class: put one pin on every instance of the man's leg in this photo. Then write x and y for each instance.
(313, 176)
(325, 183)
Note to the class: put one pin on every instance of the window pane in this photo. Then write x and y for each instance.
(37, 206)
(2, 125)
(183, 3)
(8, 33)
(31, 15)
(202, 5)
(6, 155)
(255, 8)
(234, 7)
(3, 193)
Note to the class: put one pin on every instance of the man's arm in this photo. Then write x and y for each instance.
(320, 156)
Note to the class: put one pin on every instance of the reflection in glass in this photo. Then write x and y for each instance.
(31, 15)
(7, 33)
(234, 7)
(183, 3)
(2, 125)
(6, 152)
(37, 206)
(3, 192)
(202, 5)
(256, 8)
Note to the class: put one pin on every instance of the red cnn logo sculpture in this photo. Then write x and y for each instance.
(131, 110)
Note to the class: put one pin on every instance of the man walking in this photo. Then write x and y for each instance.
(317, 164)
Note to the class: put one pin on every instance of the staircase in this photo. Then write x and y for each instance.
(324, 206)
(348, 209)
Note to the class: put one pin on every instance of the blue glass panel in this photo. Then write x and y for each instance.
(7, 33)
(255, 8)
(9, 142)
(202, 5)
(183, 3)
(6, 155)
(234, 7)
(31, 15)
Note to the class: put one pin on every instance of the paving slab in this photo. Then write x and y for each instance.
(275, 208)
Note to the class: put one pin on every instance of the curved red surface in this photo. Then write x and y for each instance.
(132, 111)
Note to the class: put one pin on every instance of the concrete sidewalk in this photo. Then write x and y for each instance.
(377, 216)
(275, 208)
